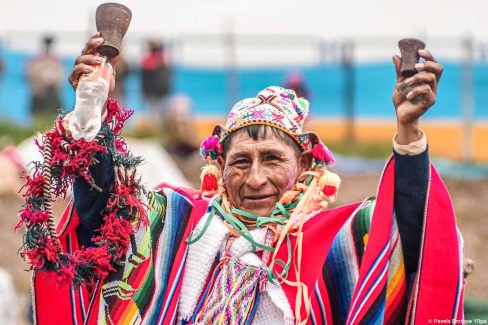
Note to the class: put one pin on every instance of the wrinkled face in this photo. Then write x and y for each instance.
(256, 173)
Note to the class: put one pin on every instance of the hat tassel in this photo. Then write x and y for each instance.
(329, 183)
(210, 178)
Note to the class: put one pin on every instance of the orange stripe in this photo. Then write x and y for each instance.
(395, 285)
(128, 314)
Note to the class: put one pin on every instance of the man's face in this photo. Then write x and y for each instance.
(256, 173)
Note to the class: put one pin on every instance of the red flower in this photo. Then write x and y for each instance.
(120, 145)
(125, 196)
(34, 184)
(36, 258)
(47, 253)
(51, 250)
(119, 113)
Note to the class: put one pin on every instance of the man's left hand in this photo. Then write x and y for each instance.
(422, 95)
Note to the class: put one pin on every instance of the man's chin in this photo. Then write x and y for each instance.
(260, 211)
(262, 207)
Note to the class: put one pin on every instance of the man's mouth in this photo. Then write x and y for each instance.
(259, 197)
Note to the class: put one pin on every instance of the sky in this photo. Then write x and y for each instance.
(322, 17)
(22, 22)
(279, 32)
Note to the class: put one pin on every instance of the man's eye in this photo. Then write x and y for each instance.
(272, 158)
(239, 162)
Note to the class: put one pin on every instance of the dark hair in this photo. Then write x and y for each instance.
(259, 131)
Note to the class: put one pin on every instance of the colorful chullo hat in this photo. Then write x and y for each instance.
(279, 108)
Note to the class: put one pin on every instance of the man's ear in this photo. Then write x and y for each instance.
(221, 162)
(306, 160)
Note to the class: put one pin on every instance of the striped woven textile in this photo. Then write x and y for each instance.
(60, 305)
(342, 268)
(145, 289)
(352, 265)
(372, 290)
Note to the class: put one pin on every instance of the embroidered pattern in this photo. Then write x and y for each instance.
(234, 294)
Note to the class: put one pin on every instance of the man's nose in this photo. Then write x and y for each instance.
(257, 176)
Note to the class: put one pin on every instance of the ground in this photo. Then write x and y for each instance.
(469, 198)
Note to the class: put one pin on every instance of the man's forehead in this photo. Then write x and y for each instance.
(258, 151)
(243, 143)
(243, 138)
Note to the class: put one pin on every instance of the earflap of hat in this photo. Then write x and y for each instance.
(218, 131)
(210, 150)
(328, 182)
(321, 154)
(211, 147)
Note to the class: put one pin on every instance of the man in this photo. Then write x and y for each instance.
(45, 75)
(263, 249)
(155, 79)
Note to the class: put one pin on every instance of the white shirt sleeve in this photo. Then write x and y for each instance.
(413, 148)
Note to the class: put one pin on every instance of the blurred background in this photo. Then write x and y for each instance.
(185, 63)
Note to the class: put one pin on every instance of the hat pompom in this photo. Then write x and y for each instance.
(210, 178)
(210, 148)
(329, 183)
(322, 154)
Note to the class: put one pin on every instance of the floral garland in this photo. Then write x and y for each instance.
(64, 159)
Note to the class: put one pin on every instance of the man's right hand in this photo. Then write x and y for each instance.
(88, 58)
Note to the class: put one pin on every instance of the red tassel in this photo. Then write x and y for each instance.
(99, 258)
(210, 179)
(66, 275)
(117, 230)
(209, 183)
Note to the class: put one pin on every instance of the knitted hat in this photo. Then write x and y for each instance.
(274, 106)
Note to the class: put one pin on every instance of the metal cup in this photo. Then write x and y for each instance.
(112, 20)
(409, 48)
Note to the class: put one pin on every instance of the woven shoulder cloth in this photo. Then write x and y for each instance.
(134, 269)
(144, 288)
(363, 280)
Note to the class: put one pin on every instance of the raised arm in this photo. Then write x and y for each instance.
(411, 156)
(90, 202)
(410, 107)
(87, 59)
